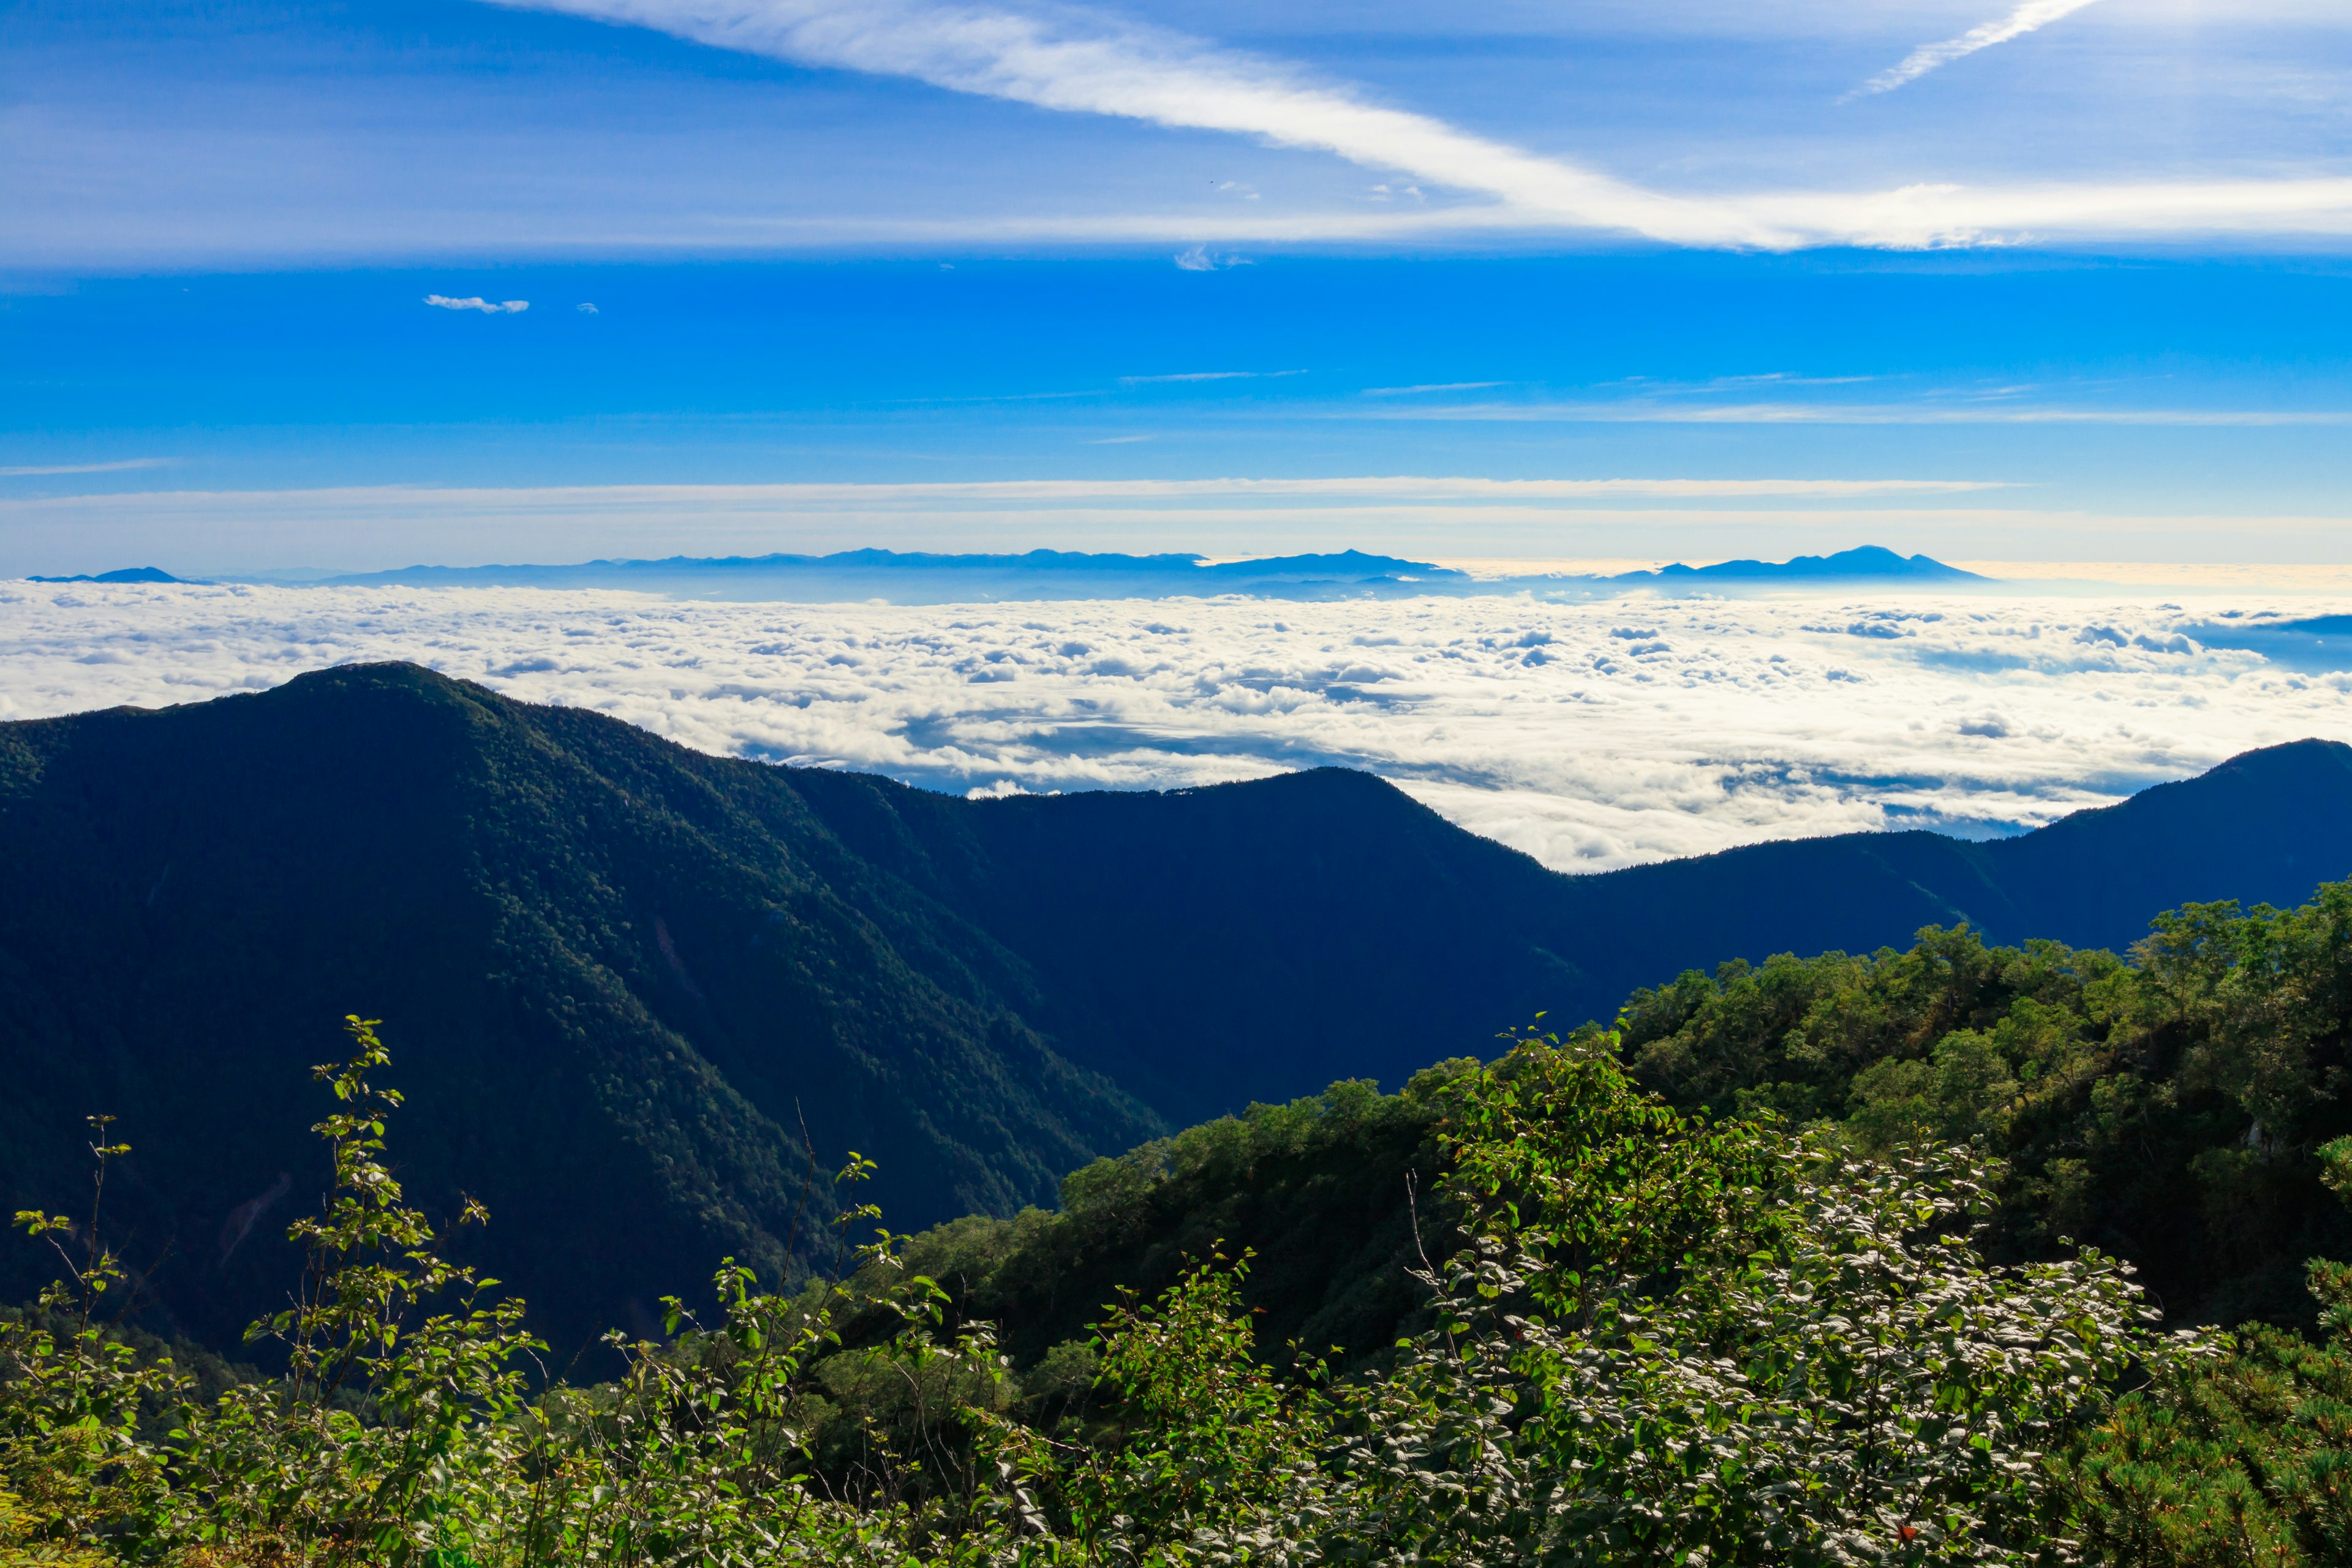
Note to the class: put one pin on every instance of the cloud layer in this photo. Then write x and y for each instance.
(1589, 735)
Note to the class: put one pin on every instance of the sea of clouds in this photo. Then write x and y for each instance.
(1590, 735)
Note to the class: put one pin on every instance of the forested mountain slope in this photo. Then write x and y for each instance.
(632, 972)
(1259, 941)
(628, 970)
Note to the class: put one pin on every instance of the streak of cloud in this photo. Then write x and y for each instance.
(988, 492)
(475, 302)
(1645, 412)
(1073, 61)
(1208, 375)
(33, 470)
(2028, 17)
(1432, 386)
(1078, 63)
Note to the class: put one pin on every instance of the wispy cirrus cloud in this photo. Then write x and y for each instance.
(26, 471)
(1208, 375)
(1074, 62)
(1432, 386)
(1644, 411)
(1079, 63)
(2028, 17)
(487, 306)
(1073, 492)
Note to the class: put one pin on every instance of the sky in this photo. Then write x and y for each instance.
(346, 286)
(2059, 289)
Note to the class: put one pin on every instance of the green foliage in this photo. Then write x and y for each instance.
(1213, 1459)
(365, 1440)
(21, 1547)
(1677, 1340)
(1320, 1190)
(2168, 1109)
(1646, 1334)
(72, 1394)
(2240, 1460)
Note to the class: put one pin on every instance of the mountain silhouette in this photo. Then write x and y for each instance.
(642, 993)
(924, 577)
(121, 574)
(1866, 563)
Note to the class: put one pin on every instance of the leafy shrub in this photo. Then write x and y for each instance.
(1655, 1336)
(2236, 1461)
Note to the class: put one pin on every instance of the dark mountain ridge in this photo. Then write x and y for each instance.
(634, 974)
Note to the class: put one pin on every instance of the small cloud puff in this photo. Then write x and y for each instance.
(1201, 259)
(585, 307)
(487, 306)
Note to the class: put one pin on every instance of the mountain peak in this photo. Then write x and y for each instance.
(121, 574)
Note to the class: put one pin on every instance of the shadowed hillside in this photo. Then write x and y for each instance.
(630, 968)
(1259, 941)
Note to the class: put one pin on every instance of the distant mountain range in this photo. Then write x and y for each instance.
(915, 577)
(2315, 645)
(1061, 575)
(124, 574)
(923, 578)
(1867, 562)
(635, 987)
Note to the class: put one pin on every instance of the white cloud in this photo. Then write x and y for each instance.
(1394, 485)
(2026, 18)
(583, 308)
(1201, 259)
(1648, 411)
(1207, 376)
(1073, 61)
(1432, 386)
(475, 302)
(1703, 725)
(31, 470)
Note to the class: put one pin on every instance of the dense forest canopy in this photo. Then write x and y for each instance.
(2167, 1108)
(1810, 1261)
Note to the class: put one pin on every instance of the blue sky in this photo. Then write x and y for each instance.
(2074, 274)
